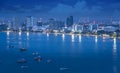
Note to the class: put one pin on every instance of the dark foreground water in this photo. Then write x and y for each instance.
(60, 53)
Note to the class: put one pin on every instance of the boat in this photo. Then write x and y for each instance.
(35, 53)
(38, 58)
(23, 49)
(63, 68)
(21, 61)
(49, 61)
(24, 67)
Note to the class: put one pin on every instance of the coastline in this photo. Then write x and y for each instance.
(61, 33)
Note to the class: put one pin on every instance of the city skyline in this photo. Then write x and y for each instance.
(60, 36)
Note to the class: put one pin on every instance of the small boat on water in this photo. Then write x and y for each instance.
(24, 67)
(35, 53)
(64, 68)
(39, 58)
(22, 61)
(23, 49)
(49, 61)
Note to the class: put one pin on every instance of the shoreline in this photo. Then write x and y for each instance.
(58, 33)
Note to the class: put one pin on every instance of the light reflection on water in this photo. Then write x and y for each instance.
(96, 38)
(63, 37)
(73, 39)
(56, 34)
(115, 56)
(8, 35)
(80, 38)
(47, 34)
(114, 46)
(27, 35)
(20, 33)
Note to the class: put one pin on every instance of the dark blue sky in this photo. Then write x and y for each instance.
(60, 8)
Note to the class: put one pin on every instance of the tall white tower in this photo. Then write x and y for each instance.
(29, 22)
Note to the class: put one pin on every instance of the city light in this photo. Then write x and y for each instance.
(96, 38)
(63, 37)
(59, 36)
(8, 33)
(114, 45)
(80, 38)
(47, 34)
(27, 33)
(73, 38)
(20, 33)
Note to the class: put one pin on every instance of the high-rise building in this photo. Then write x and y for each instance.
(51, 23)
(9, 25)
(93, 27)
(3, 27)
(77, 28)
(15, 23)
(40, 22)
(69, 21)
(29, 22)
(55, 25)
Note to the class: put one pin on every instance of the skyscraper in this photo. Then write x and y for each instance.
(16, 23)
(29, 22)
(9, 25)
(69, 21)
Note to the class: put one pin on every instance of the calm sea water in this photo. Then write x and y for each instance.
(60, 53)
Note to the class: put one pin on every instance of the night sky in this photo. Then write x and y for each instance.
(60, 8)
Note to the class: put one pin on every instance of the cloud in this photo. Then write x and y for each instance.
(13, 9)
(82, 9)
(63, 9)
(22, 9)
